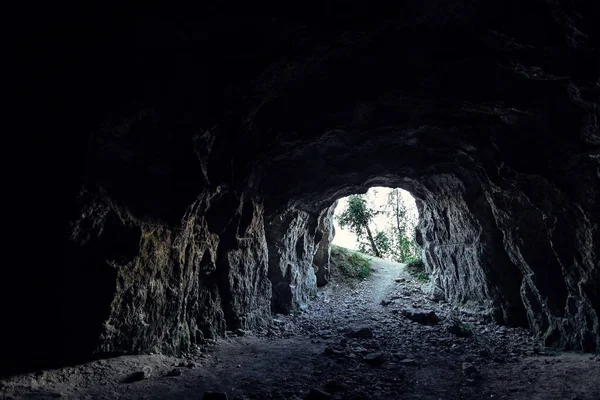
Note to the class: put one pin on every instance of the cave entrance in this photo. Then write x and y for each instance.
(380, 223)
(374, 244)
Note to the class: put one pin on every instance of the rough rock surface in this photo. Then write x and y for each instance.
(398, 359)
(326, 233)
(291, 242)
(204, 176)
(174, 286)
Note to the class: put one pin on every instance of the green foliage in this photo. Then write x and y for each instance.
(423, 277)
(360, 264)
(384, 243)
(357, 216)
(364, 272)
(404, 248)
(396, 242)
(351, 264)
(461, 329)
(404, 245)
(416, 268)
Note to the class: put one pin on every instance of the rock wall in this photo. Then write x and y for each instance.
(323, 240)
(504, 248)
(539, 223)
(451, 241)
(291, 243)
(165, 288)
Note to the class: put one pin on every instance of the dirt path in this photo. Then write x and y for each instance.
(382, 280)
(354, 342)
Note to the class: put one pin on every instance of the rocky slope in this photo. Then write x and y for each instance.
(202, 151)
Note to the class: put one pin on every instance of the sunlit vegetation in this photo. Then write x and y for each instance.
(395, 241)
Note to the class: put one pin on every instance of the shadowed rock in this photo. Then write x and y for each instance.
(425, 317)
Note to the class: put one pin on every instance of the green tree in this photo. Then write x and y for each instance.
(357, 217)
(384, 244)
(403, 242)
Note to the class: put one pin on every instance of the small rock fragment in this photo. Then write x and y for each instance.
(336, 386)
(147, 370)
(471, 371)
(424, 317)
(214, 396)
(408, 362)
(459, 329)
(375, 358)
(363, 333)
(433, 292)
(316, 394)
(145, 373)
(325, 334)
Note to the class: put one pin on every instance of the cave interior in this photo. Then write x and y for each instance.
(184, 184)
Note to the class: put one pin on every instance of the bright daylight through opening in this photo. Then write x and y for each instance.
(383, 222)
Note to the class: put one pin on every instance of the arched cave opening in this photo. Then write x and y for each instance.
(391, 216)
(187, 197)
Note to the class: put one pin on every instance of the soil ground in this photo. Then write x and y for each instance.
(354, 341)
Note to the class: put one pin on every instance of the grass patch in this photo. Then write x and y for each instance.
(416, 268)
(423, 277)
(350, 263)
(468, 326)
(461, 329)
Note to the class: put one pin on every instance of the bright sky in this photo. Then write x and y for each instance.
(376, 197)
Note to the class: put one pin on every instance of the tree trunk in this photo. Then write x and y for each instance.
(397, 193)
(373, 246)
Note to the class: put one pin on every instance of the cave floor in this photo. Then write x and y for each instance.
(353, 342)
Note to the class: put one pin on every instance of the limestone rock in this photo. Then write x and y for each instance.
(433, 291)
(324, 238)
(291, 242)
